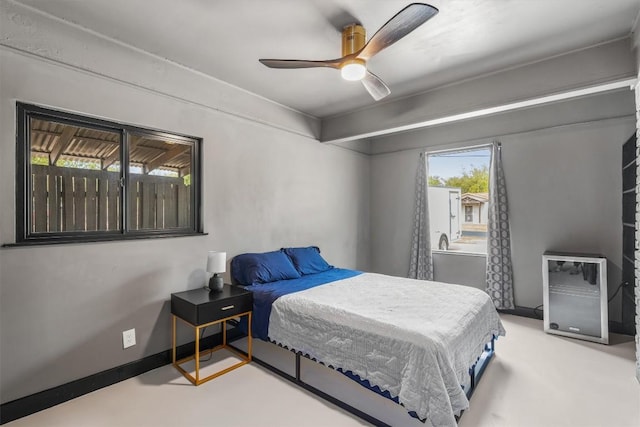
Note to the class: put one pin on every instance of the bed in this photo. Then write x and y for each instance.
(414, 342)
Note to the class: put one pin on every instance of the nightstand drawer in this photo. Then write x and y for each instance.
(220, 309)
(199, 306)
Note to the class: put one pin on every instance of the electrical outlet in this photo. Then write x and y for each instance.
(128, 338)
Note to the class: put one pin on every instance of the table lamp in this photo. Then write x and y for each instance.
(216, 263)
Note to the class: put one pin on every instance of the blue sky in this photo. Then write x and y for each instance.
(446, 165)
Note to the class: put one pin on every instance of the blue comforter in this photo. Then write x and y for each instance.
(265, 294)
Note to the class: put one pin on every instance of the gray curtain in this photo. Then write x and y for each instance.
(499, 266)
(421, 265)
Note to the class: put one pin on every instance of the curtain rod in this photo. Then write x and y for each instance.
(467, 148)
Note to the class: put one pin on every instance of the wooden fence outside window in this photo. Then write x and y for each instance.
(70, 199)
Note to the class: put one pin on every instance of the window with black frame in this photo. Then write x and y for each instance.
(72, 185)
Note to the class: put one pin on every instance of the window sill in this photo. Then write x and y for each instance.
(60, 241)
(459, 253)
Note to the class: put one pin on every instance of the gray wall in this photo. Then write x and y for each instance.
(563, 182)
(63, 308)
(268, 183)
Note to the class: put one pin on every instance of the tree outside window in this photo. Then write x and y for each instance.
(458, 185)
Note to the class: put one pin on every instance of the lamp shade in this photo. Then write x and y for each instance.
(217, 262)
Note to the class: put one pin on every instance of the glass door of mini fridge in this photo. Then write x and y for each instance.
(575, 296)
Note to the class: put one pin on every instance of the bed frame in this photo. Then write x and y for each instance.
(475, 373)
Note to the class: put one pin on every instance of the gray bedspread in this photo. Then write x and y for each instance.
(414, 338)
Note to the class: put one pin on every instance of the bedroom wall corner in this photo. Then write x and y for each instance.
(63, 307)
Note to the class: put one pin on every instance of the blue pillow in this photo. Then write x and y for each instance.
(249, 269)
(307, 260)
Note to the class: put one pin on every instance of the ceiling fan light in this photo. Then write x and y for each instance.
(353, 71)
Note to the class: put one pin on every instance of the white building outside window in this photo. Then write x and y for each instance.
(458, 195)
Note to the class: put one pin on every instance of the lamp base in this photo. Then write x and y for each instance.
(216, 283)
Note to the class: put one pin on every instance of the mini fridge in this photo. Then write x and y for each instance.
(575, 295)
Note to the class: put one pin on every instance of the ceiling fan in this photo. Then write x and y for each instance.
(356, 53)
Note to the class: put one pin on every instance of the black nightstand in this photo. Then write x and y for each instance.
(200, 308)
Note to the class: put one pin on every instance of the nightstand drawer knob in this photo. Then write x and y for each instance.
(229, 307)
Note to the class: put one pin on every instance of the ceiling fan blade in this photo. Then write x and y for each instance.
(296, 63)
(405, 21)
(376, 87)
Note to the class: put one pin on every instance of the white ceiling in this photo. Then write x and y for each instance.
(225, 38)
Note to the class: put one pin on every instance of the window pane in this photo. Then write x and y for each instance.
(159, 183)
(458, 196)
(71, 187)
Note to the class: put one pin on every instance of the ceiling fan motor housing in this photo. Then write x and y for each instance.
(353, 39)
